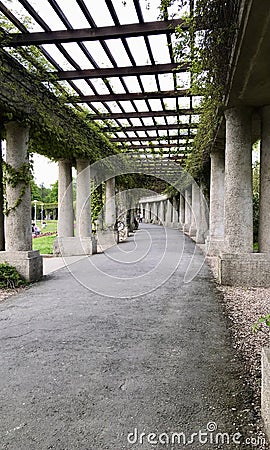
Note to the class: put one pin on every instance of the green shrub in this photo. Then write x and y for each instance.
(9, 277)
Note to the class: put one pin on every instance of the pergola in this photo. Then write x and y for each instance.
(117, 61)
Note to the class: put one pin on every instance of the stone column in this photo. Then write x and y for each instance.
(141, 210)
(168, 220)
(216, 219)
(65, 199)
(154, 213)
(187, 210)
(18, 232)
(195, 209)
(203, 224)
(18, 222)
(2, 220)
(182, 210)
(147, 213)
(110, 210)
(238, 182)
(83, 200)
(175, 217)
(264, 223)
(85, 242)
(161, 213)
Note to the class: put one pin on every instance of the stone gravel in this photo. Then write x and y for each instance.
(243, 307)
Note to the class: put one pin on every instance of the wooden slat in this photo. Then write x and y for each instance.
(119, 71)
(94, 34)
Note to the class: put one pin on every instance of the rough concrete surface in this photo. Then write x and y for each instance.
(81, 370)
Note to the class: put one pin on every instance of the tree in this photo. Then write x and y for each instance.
(53, 196)
(35, 191)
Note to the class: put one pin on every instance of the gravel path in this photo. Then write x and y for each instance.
(243, 307)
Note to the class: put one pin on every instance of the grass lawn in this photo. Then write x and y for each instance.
(51, 226)
(45, 243)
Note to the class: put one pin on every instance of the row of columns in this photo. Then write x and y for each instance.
(231, 198)
(231, 201)
(231, 214)
(16, 247)
(84, 243)
(188, 213)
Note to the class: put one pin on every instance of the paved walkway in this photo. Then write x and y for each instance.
(118, 343)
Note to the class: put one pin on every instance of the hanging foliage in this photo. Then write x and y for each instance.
(206, 45)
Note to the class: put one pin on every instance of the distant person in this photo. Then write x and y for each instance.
(136, 223)
(141, 217)
(44, 224)
(36, 230)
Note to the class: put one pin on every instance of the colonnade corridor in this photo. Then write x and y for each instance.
(116, 351)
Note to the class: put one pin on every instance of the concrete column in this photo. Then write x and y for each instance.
(203, 224)
(154, 213)
(182, 210)
(216, 219)
(238, 182)
(161, 213)
(18, 232)
(110, 210)
(264, 223)
(188, 200)
(147, 213)
(141, 210)
(2, 220)
(65, 200)
(195, 209)
(83, 200)
(18, 222)
(175, 217)
(168, 220)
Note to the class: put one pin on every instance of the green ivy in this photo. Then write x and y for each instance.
(206, 45)
(15, 177)
(9, 277)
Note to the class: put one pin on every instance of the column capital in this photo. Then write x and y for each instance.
(83, 161)
(236, 111)
(14, 124)
(218, 152)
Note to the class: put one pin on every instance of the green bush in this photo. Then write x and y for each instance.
(9, 277)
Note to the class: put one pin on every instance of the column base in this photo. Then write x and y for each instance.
(29, 264)
(200, 237)
(74, 246)
(186, 228)
(176, 225)
(244, 270)
(192, 232)
(107, 238)
(214, 246)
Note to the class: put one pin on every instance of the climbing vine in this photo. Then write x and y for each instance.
(31, 94)
(206, 45)
(16, 177)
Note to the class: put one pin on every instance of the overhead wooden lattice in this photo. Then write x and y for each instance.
(116, 58)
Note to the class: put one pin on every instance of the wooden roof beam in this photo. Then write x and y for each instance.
(176, 126)
(119, 71)
(166, 112)
(95, 34)
(129, 96)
